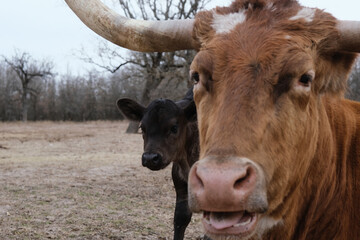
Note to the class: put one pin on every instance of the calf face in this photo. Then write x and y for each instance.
(163, 125)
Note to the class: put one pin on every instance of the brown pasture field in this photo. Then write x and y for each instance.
(65, 180)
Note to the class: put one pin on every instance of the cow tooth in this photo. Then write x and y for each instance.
(206, 216)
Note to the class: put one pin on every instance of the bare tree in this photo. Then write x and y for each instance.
(28, 72)
(158, 71)
(8, 93)
(91, 96)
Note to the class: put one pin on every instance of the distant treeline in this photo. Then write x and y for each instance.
(68, 98)
(91, 96)
(31, 90)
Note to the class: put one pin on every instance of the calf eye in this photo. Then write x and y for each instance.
(174, 129)
(305, 80)
(195, 78)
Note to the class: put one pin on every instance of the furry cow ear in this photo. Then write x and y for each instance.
(131, 109)
(190, 112)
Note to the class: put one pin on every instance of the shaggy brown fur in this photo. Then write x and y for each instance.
(249, 105)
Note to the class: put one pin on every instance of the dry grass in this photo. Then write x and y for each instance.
(81, 181)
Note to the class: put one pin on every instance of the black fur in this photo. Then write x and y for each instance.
(170, 135)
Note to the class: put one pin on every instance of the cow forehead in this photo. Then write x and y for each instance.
(224, 22)
(244, 18)
(264, 59)
(263, 35)
(161, 112)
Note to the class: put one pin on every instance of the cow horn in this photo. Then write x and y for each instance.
(138, 35)
(349, 36)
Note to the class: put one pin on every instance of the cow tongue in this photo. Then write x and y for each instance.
(221, 221)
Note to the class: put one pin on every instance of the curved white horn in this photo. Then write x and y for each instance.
(349, 36)
(138, 35)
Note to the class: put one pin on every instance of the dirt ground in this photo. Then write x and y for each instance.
(67, 180)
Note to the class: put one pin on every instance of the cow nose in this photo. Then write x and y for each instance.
(150, 159)
(222, 187)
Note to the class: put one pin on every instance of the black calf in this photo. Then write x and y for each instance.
(170, 134)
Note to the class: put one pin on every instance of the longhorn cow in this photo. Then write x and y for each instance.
(279, 144)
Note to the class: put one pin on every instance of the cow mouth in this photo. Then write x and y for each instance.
(240, 223)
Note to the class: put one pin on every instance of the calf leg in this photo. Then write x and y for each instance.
(182, 215)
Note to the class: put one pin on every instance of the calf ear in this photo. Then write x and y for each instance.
(131, 109)
(190, 112)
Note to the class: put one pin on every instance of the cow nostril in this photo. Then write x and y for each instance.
(195, 178)
(151, 158)
(199, 181)
(144, 159)
(245, 179)
(156, 158)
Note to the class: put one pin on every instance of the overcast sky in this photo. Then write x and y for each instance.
(48, 29)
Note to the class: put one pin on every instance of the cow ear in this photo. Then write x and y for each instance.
(190, 112)
(131, 109)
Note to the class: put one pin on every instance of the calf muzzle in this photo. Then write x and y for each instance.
(152, 161)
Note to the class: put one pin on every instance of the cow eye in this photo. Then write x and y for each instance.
(195, 78)
(305, 80)
(174, 129)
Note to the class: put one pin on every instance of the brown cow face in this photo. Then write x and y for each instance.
(163, 125)
(257, 117)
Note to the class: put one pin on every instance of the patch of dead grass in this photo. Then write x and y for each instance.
(68, 180)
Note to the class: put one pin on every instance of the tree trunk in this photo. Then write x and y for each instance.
(35, 104)
(24, 114)
(133, 127)
(25, 106)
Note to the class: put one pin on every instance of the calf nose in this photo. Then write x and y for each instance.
(151, 159)
(222, 186)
